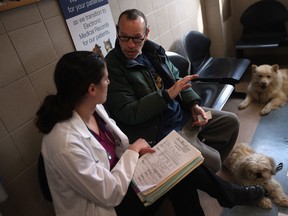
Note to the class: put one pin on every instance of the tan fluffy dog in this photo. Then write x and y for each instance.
(268, 85)
(250, 168)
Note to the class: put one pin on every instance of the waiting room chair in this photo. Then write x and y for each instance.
(228, 70)
(263, 26)
(42, 179)
(214, 95)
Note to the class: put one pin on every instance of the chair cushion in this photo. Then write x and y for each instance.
(213, 94)
(225, 70)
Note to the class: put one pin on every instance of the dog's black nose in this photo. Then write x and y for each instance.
(258, 175)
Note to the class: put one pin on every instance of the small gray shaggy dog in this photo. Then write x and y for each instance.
(250, 168)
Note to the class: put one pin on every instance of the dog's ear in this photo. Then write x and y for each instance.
(245, 170)
(253, 67)
(275, 67)
(272, 164)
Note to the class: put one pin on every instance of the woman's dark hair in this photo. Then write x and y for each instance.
(74, 73)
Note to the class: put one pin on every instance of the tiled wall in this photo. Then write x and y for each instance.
(32, 38)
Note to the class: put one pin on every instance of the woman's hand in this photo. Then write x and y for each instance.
(180, 85)
(141, 146)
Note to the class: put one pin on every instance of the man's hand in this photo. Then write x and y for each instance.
(180, 85)
(197, 110)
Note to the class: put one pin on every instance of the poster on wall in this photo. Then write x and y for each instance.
(90, 23)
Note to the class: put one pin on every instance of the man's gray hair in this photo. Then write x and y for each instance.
(132, 14)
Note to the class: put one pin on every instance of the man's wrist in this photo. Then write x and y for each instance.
(166, 95)
(194, 105)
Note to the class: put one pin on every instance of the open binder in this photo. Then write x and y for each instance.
(156, 173)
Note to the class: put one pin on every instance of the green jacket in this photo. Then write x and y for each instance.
(133, 100)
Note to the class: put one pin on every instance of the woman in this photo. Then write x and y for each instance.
(88, 160)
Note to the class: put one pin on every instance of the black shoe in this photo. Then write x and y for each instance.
(247, 195)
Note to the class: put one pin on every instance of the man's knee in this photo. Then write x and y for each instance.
(212, 159)
(230, 120)
(234, 119)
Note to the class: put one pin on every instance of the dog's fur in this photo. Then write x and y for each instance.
(251, 168)
(268, 85)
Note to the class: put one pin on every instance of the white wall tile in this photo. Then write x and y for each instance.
(3, 131)
(162, 20)
(49, 8)
(158, 4)
(186, 8)
(18, 104)
(58, 32)
(33, 46)
(176, 37)
(152, 26)
(11, 162)
(28, 141)
(156, 40)
(166, 41)
(2, 30)
(127, 4)
(43, 82)
(169, 1)
(187, 25)
(115, 10)
(173, 14)
(24, 191)
(180, 11)
(20, 17)
(11, 67)
(145, 6)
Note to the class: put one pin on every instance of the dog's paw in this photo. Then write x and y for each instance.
(282, 201)
(265, 111)
(243, 105)
(265, 203)
(269, 107)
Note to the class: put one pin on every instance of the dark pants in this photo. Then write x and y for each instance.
(184, 195)
(216, 139)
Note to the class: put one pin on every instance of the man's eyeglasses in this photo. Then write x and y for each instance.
(134, 39)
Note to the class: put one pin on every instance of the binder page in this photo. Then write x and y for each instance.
(171, 153)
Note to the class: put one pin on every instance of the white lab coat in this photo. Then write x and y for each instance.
(78, 169)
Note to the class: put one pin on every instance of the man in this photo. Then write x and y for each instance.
(148, 99)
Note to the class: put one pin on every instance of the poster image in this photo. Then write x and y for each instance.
(90, 23)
